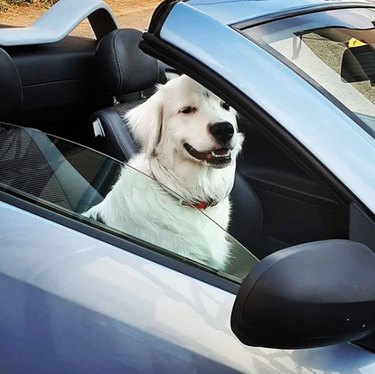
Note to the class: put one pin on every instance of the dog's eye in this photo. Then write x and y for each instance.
(188, 110)
(225, 106)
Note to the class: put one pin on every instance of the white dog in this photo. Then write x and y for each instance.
(190, 141)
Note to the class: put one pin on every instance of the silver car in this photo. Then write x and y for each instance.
(299, 294)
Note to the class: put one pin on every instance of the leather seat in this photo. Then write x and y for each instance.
(10, 88)
(29, 155)
(124, 72)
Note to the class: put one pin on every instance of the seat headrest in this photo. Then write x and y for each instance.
(10, 87)
(121, 67)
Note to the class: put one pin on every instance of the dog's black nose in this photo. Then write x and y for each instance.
(222, 132)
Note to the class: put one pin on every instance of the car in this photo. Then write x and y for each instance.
(299, 294)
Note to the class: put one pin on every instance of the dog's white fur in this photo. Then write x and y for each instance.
(141, 207)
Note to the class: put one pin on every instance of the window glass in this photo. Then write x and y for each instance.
(334, 49)
(70, 178)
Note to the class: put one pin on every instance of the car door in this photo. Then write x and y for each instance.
(72, 303)
(307, 159)
(80, 297)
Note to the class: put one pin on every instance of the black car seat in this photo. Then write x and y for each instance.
(128, 76)
(10, 89)
(29, 161)
(124, 72)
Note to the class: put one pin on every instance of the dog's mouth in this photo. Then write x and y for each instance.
(215, 157)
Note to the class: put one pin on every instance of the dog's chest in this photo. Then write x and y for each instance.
(147, 211)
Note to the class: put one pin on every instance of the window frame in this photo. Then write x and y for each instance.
(242, 28)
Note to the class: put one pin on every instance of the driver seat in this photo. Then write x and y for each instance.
(128, 77)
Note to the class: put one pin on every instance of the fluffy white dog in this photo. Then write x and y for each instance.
(190, 141)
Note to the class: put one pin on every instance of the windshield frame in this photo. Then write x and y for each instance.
(254, 31)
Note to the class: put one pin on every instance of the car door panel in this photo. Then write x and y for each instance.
(79, 304)
(296, 207)
(74, 303)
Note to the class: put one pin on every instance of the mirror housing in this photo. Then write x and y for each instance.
(358, 64)
(310, 295)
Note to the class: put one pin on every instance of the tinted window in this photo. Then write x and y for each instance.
(70, 178)
(334, 50)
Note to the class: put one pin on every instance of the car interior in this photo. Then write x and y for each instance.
(80, 88)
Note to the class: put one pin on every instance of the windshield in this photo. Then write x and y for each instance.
(69, 178)
(333, 50)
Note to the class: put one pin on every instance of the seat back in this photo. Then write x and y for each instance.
(128, 75)
(121, 68)
(247, 216)
(10, 88)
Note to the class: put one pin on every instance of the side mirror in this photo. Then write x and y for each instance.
(358, 64)
(310, 295)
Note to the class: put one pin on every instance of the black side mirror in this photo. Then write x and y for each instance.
(309, 295)
(358, 64)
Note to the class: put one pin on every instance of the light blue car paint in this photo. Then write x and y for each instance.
(74, 304)
(233, 11)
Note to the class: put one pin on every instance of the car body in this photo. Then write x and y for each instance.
(79, 297)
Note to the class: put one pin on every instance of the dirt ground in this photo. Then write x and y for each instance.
(128, 13)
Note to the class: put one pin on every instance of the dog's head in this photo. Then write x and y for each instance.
(184, 120)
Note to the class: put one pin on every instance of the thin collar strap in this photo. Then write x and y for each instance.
(199, 205)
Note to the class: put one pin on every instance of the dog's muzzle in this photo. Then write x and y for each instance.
(220, 155)
(218, 158)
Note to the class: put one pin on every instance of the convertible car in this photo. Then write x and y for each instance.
(299, 293)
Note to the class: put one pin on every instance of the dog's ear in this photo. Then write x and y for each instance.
(171, 75)
(145, 122)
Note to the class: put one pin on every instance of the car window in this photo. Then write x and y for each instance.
(70, 178)
(334, 50)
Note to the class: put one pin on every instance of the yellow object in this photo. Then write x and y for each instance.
(353, 42)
